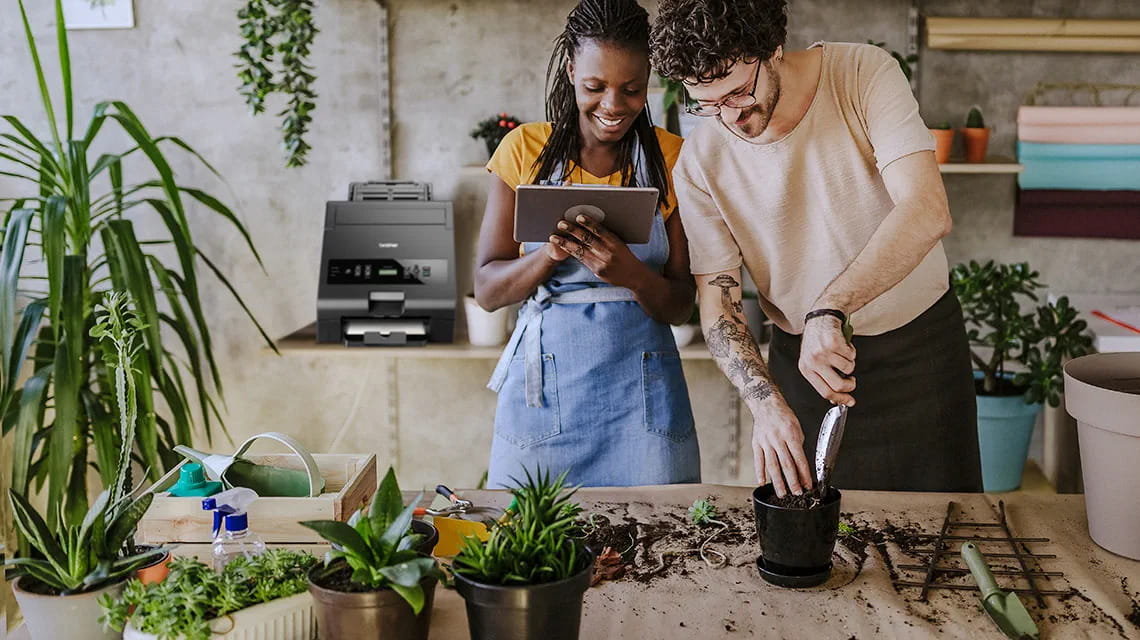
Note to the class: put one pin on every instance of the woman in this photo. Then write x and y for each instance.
(591, 382)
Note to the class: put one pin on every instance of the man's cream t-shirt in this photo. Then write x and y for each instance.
(799, 210)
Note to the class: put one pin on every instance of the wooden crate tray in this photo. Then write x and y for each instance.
(350, 481)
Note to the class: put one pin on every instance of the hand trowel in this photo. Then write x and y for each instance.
(1004, 608)
(830, 435)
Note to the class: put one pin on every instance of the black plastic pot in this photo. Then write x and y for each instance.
(430, 533)
(551, 611)
(795, 544)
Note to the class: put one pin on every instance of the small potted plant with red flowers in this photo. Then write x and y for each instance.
(492, 130)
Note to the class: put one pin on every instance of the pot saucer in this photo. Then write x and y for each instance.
(793, 581)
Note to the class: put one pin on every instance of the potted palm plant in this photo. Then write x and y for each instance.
(1036, 343)
(58, 585)
(82, 233)
(380, 579)
(528, 579)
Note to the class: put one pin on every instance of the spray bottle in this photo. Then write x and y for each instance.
(232, 537)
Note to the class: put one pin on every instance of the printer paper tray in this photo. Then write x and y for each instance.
(381, 332)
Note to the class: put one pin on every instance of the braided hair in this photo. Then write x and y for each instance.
(624, 23)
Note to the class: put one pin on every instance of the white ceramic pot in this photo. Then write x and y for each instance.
(64, 617)
(485, 328)
(684, 334)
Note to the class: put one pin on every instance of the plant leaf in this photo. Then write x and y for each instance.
(413, 595)
(339, 533)
(410, 572)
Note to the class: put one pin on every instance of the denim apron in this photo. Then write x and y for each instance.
(591, 385)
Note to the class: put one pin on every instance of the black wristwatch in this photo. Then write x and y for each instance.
(826, 312)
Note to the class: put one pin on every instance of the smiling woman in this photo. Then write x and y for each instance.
(591, 378)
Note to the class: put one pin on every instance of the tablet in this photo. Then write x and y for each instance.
(626, 211)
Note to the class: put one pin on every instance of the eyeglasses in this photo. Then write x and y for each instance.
(742, 101)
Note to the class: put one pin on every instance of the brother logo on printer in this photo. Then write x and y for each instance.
(388, 245)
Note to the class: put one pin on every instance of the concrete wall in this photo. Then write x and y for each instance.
(453, 62)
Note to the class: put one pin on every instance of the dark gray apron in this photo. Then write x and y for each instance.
(914, 426)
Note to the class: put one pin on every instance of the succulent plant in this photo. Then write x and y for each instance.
(974, 119)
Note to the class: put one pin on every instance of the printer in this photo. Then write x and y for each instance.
(387, 267)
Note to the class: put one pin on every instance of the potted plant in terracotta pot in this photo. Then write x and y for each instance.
(976, 136)
(527, 581)
(1038, 341)
(265, 594)
(379, 581)
(943, 141)
(60, 583)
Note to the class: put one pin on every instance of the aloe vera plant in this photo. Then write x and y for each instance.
(77, 558)
(77, 217)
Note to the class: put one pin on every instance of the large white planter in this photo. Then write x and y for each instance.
(1102, 391)
(64, 617)
(285, 619)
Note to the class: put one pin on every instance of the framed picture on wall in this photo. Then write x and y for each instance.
(99, 14)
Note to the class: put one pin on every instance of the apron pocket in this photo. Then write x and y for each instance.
(667, 410)
(519, 424)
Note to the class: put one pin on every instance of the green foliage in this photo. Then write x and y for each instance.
(974, 119)
(379, 546)
(117, 325)
(702, 512)
(73, 213)
(846, 529)
(537, 545)
(1041, 339)
(270, 27)
(492, 130)
(181, 607)
(941, 125)
(78, 558)
(905, 62)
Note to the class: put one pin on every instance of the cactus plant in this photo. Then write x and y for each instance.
(974, 119)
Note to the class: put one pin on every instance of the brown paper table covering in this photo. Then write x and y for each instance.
(734, 602)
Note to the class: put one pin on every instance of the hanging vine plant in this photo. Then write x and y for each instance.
(285, 27)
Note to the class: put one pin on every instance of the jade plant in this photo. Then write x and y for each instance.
(378, 547)
(80, 558)
(1040, 339)
(182, 606)
(537, 545)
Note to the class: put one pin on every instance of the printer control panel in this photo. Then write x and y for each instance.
(387, 271)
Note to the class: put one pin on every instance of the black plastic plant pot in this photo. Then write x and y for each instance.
(430, 534)
(550, 611)
(795, 544)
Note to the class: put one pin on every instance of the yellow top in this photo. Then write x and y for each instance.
(514, 160)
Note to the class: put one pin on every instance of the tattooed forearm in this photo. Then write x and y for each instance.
(734, 348)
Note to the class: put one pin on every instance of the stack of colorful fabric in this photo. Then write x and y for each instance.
(1082, 172)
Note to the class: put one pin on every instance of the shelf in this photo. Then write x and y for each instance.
(991, 165)
(1033, 34)
(304, 341)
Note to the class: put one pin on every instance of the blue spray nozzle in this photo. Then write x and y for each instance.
(227, 504)
(236, 522)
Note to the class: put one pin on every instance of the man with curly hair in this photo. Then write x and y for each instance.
(814, 171)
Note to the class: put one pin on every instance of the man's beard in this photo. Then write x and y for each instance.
(757, 117)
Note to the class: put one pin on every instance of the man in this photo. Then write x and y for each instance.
(815, 172)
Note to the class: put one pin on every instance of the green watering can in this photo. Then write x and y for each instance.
(1004, 608)
(266, 480)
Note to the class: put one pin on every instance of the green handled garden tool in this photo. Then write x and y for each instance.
(1003, 607)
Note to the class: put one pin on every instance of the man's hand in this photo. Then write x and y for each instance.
(778, 450)
(827, 361)
(600, 250)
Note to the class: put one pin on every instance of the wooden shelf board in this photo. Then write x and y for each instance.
(304, 341)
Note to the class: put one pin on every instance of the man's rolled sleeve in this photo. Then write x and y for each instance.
(712, 248)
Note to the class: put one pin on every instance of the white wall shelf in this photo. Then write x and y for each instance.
(995, 164)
